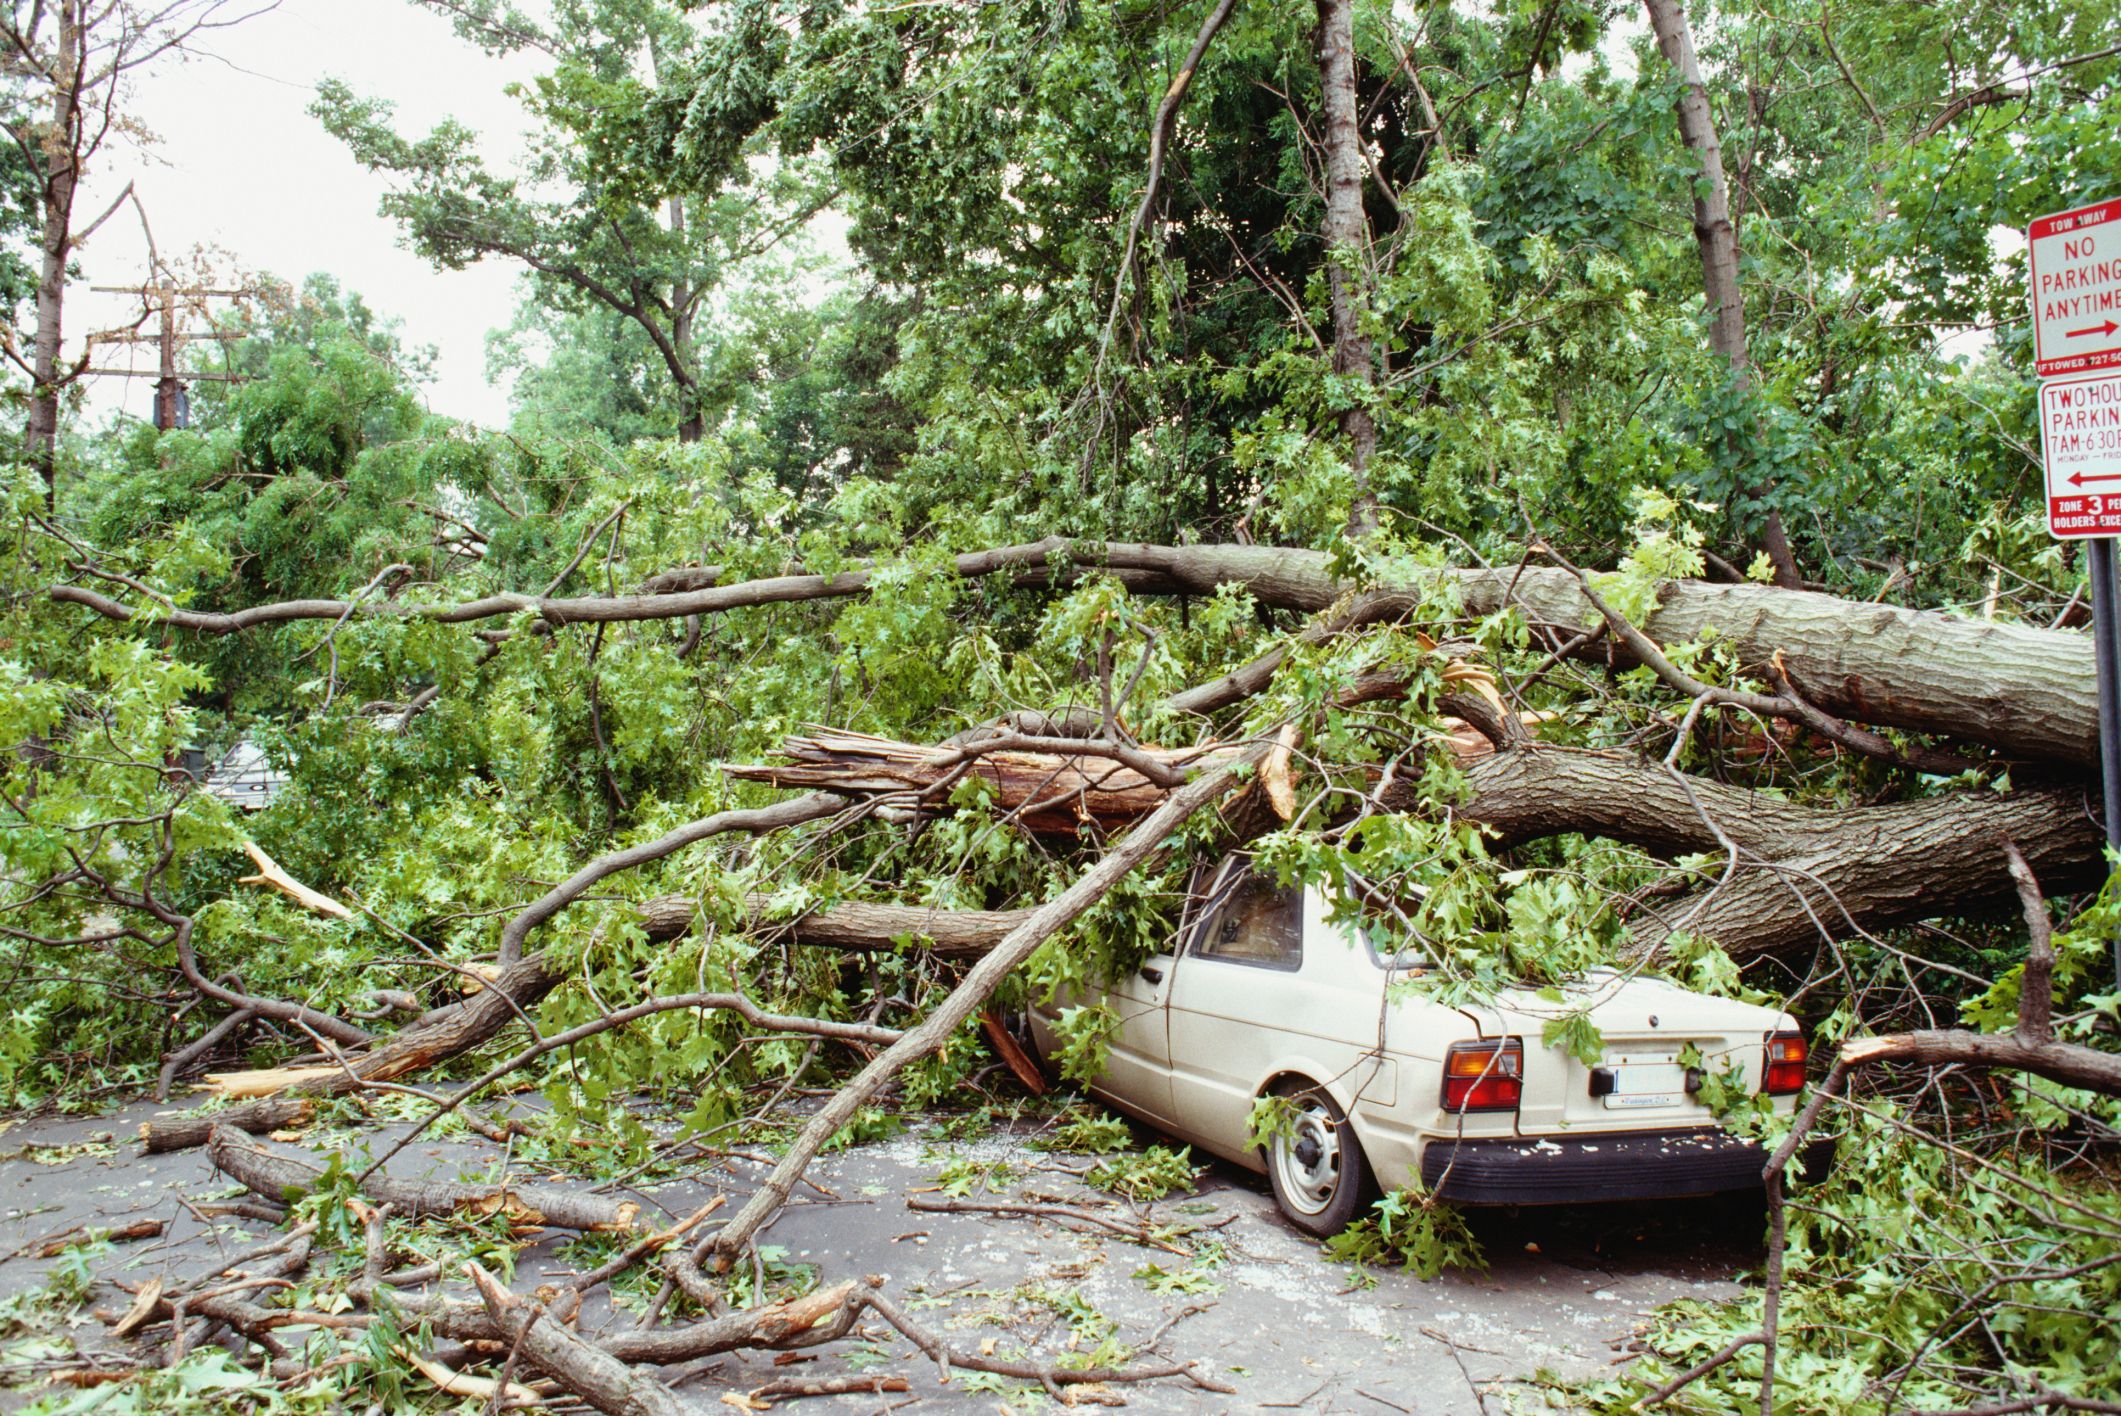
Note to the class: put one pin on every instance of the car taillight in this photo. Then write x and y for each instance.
(1483, 1076)
(1785, 1064)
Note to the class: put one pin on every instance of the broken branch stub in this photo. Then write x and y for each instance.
(597, 1377)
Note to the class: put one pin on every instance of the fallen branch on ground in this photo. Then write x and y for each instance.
(1067, 1214)
(275, 1173)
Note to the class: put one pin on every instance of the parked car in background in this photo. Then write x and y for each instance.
(1260, 995)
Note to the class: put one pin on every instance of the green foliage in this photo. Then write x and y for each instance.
(1410, 1228)
(966, 1175)
(1273, 1118)
(1085, 1032)
(1146, 1175)
(1192, 1281)
(1090, 1133)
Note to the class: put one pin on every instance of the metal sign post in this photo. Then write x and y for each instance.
(2073, 263)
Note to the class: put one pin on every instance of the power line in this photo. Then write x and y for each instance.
(172, 404)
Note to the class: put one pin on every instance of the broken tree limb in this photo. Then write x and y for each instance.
(1041, 787)
(1788, 703)
(279, 1010)
(174, 1065)
(276, 1173)
(2031, 1046)
(1049, 1376)
(935, 1030)
(2029, 693)
(434, 1037)
(598, 1378)
(1802, 869)
(2063, 1062)
(854, 925)
(274, 877)
(445, 1032)
(866, 1033)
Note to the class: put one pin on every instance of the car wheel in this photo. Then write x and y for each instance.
(1317, 1168)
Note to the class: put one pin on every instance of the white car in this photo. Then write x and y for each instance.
(1261, 995)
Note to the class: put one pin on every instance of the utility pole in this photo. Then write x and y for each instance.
(172, 405)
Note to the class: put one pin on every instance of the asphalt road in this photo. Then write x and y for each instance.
(1566, 1289)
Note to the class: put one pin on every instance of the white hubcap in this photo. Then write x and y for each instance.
(1307, 1161)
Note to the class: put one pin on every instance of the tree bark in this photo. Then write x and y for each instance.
(435, 1037)
(1717, 237)
(852, 925)
(594, 1375)
(1347, 238)
(1805, 874)
(2062, 1062)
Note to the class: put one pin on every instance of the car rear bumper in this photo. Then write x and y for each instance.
(1646, 1165)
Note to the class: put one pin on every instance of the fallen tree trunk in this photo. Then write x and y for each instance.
(1804, 874)
(276, 1174)
(2028, 693)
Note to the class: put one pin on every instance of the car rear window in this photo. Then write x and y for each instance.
(1260, 924)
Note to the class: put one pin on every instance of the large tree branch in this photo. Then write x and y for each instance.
(2027, 692)
(1801, 873)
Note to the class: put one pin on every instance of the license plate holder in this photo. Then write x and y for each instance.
(1639, 1084)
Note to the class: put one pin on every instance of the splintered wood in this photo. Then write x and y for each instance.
(1049, 793)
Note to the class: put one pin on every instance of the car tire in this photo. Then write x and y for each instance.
(1320, 1177)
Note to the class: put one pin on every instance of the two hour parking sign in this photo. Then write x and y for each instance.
(2080, 443)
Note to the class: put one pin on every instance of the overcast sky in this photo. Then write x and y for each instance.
(241, 165)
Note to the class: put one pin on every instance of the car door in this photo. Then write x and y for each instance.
(1229, 1006)
(1137, 1073)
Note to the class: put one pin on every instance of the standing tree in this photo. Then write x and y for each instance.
(70, 65)
(1347, 234)
(618, 208)
(1716, 234)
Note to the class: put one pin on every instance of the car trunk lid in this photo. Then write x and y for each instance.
(1646, 1027)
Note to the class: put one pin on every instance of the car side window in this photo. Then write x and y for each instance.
(1260, 924)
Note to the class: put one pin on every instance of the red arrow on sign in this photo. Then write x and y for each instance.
(2108, 328)
(2078, 479)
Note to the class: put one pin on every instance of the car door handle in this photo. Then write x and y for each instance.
(1152, 974)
